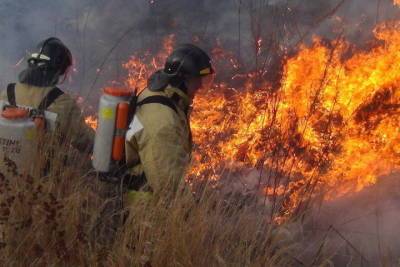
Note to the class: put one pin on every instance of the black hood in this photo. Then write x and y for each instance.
(50, 60)
(38, 76)
(159, 80)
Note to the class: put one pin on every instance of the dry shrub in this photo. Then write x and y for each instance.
(45, 217)
(209, 231)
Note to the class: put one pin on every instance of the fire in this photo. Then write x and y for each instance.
(332, 128)
(396, 2)
(140, 67)
(348, 108)
(91, 121)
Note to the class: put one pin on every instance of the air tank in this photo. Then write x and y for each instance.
(18, 138)
(109, 144)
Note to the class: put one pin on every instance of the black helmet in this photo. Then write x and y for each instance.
(52, 54)
(186, 60)
(51, 60)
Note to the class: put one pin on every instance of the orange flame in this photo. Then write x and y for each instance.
(140, 67)
(91, 121)
(332, 128)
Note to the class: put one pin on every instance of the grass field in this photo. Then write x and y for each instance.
(69, 218)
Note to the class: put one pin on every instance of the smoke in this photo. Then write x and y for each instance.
(91, 27)
(359, 230)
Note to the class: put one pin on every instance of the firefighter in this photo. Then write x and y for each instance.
(159, 139)
(36, 89)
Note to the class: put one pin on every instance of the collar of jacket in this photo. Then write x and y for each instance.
(184, 101)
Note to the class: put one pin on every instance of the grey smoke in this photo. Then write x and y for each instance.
(91, 27)
(357, 230)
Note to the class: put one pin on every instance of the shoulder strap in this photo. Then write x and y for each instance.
(158, 99)
(50, 98)
(11, 94)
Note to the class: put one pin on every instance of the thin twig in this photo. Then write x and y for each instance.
(107, 56)
(350, 244)
(321, 246)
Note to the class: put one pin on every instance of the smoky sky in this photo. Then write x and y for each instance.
(91, 27)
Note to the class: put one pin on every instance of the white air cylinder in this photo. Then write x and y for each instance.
(18, 139)
(106, 128)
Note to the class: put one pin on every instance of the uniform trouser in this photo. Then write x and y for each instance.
(119, 196)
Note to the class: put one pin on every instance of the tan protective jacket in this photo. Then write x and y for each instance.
(159, 142)
(69, 117)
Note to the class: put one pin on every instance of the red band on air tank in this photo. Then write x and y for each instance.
(121, 125)
(14, 113)
(117, 92)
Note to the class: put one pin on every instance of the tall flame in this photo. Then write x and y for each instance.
(332, 128)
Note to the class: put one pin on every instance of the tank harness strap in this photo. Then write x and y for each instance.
(139, 182)
(158, 99)
(11, 94)
(50, 98)
(44, 104)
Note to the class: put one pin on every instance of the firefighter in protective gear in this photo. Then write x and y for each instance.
(159, 143)
(37, 89)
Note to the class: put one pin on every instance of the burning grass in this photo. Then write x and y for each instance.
(331, 128)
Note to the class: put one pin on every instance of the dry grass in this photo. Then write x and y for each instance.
(69, 218)
(58, 219)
